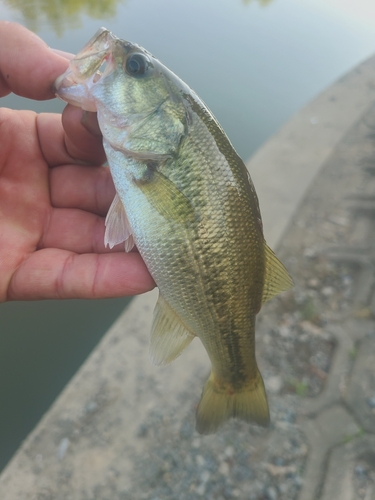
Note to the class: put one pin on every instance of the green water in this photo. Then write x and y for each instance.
(42, 344)
(254, 62)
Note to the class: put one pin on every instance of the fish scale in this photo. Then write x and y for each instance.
(186, 199)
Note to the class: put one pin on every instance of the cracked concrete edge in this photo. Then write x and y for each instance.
(339, 483)
(335, 388)
(331, 427)
(360, 385)
(340, 366)
(282, 171)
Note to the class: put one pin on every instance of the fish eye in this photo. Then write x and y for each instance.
(137, 65)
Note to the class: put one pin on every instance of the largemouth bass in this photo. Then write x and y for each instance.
(185, 198)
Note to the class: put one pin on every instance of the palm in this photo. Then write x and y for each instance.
(24, 194)
(53, 198)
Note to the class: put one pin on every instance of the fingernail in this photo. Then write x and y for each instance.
(62, 53)
(90, 121)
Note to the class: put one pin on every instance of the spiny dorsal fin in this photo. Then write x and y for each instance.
(277, 278)
(169, 337)
(117, 227)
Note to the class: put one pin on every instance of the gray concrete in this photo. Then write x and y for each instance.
(362, 384)
(104, 435)
(342, 467)
(330, 428)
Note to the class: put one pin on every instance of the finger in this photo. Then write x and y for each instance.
(76, 231)
(59, 274)
(86, 188)
(28, 67)
(83, 140)
(57, 149)
(90, 122)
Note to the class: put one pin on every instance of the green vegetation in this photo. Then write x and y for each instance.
(349, 437)
(61, 14)
(353, 353)
(300, 387)
(262, 3)
(309, 311)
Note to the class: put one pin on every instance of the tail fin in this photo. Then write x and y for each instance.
(219, 403)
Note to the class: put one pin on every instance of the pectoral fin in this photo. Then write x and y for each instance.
(169, 337)
(165, 197)
(117, 225)
(277, 278)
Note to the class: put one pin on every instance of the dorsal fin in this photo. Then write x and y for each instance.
(276, 278)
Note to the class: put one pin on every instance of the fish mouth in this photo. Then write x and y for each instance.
(89, 65)
(73, 76)
(73, 91)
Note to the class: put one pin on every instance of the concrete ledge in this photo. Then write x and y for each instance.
(84, 447)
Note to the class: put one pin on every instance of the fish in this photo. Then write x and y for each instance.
(186, 200)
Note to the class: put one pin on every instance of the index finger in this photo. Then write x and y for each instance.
(28, 67)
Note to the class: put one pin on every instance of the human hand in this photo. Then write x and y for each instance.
(54, 191)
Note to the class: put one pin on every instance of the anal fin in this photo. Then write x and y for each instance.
(169, 337)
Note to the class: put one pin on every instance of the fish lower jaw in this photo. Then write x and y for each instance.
(75, 93)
